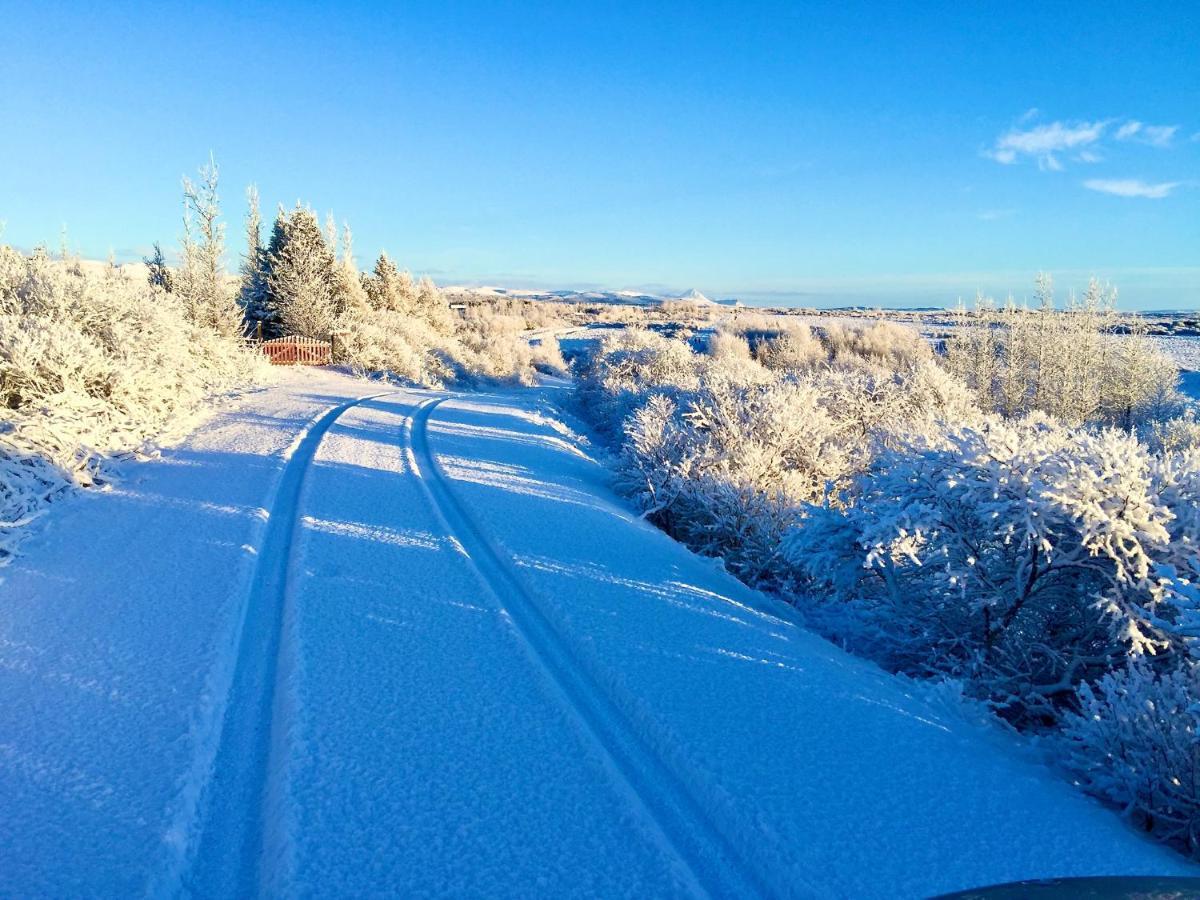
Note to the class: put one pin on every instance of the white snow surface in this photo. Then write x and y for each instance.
(414, 645)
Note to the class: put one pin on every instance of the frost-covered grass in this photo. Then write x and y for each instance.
(94, 365)
(946, 526)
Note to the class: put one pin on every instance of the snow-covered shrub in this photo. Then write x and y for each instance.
(884, 345)
(548, 356)
(726, 453)
(1135, 742)
(499, 346)
(1175, 434)
(727, 344)
(390, 342)
(730, 468)
(626, 369)
(795, 350)
(409, 331)
(1024, 557)
(94, 365)
(494, 348)
(883, 348)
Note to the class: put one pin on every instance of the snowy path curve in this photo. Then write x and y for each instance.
(714, 861)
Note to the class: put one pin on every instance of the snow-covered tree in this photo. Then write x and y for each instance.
(254, 287)
(391, 289)
(158, 273)
(201, 281)
(1081, 365)
(431, 306)
(301, 275)
(349, 294)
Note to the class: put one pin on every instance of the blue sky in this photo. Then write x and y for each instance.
(812, 153)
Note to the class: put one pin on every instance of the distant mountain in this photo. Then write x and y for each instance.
(620, 298)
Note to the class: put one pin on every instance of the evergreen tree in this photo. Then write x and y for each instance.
(389, 288)
(349, 294)
(253, 293)
(159, 273)
(301, 275)
(431, 306)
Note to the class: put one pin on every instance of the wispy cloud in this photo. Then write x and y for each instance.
(1049, 143)
(991, 215)
(1131, 187)
(1042, 142)
(1154, 135)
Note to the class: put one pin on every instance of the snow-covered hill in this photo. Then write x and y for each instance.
(410, 643)
(617, 298)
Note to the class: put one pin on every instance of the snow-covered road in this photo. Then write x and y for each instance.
(353, 641)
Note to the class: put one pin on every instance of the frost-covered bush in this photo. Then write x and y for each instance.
(883, 348)
(626, 369)
(406, 347)
(795, 350)
(408, 330)
(726, 453)
(1135, 741)
(1023, 557)
(497, 345)
(1174, 435)
(728, 472)
(884, 345)
(728, 345)
(94, 365)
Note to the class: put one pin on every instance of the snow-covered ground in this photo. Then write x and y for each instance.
(413, 644)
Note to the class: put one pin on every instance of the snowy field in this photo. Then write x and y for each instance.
(351, 640)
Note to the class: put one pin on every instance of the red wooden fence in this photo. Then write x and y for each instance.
(303, 351)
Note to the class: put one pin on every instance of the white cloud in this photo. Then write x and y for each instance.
(991, 215)
(1043, 141)
(1131, 187)
(1154, 135)
(1079, 141)
(1128, 130)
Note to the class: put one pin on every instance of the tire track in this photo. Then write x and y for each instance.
(715, 866)
(235, 842)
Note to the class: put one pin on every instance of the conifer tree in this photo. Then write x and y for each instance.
(253, 294)
(389, 288)
(159, 274)
(349, 294)
(431, 306)
(300, 275)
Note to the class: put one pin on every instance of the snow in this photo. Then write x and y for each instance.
(414, 644)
